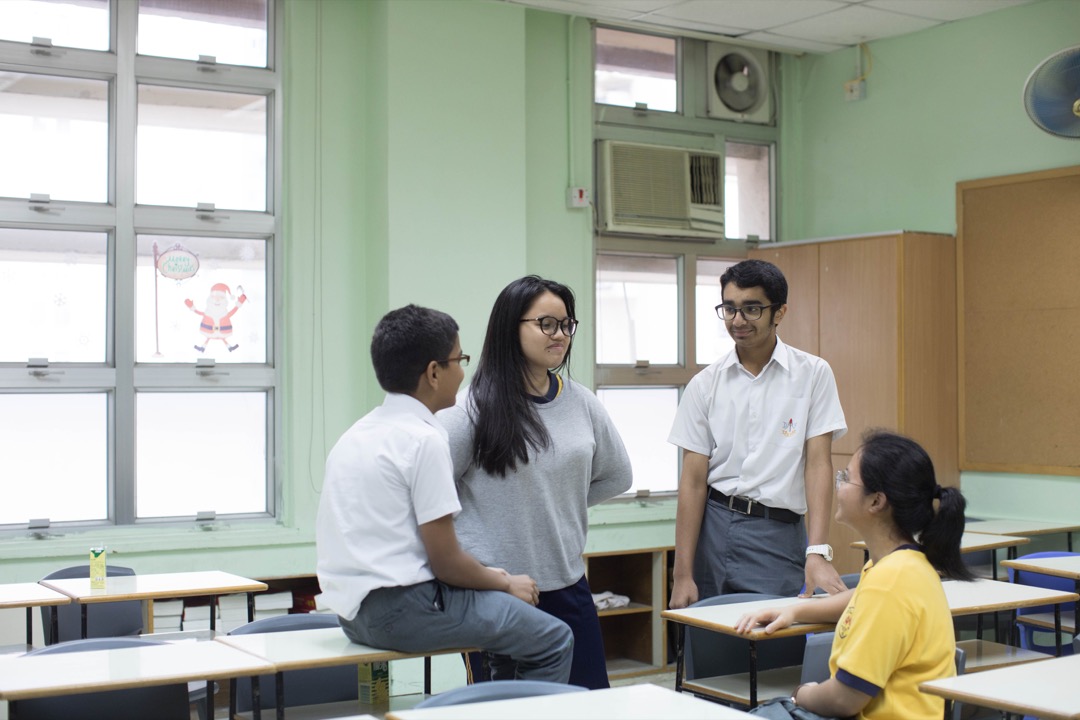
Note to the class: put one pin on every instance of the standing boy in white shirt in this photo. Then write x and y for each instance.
(389, 563)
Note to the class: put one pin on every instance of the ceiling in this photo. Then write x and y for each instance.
(815, 26)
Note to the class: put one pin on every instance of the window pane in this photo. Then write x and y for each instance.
(55, 455)
(54, 137)
(54, 284)
(198, 146)
(637, 309)
(226, 317)
(643, 417)
(232, 31)
(635, 68)
(713, 340)
(747, 191)
(72, 23)
(200, 451)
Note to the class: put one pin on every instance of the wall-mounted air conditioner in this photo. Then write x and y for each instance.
(740, 87)
(655, 190)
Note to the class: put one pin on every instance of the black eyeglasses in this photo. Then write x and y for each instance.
(549, 325)
(748, 312)
(462, 359)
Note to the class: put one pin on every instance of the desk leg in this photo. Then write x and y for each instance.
(1057, 629)
(1068, 541)
(232, 699)
(427, 675)
(680, 667)
(1076, 609)
(753, 674)
(54, 623)
(83, 621)
(213, 616)
(256, 699)
(29, 627)
(279, 694)
(251, 607)
(210, 700)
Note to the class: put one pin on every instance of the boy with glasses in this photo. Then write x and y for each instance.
(756, 428)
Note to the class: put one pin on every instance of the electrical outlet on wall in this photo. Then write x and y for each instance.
(577, 197)
(854, 90)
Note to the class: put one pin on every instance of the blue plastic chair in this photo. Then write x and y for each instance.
(111, 619)
(497, 690)
(302, 687)
(163, 702)
(1027, 632)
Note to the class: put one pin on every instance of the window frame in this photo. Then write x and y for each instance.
(120, 376)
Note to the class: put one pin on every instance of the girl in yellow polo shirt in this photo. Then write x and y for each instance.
(894, 630)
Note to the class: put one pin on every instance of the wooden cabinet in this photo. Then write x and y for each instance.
(634, 636)
(882, 311)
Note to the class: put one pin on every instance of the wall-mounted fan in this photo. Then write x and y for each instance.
(1052, 94)
(739, 84)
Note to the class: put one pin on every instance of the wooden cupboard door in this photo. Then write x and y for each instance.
(799, 263)
(860, 326)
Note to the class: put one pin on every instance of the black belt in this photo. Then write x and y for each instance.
(747, 506)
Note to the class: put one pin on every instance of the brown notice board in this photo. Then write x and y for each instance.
(1018, 240)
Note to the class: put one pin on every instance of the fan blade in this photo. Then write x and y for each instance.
(738, 83)
(1051, 94)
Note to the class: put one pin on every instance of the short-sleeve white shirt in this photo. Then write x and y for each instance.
(754, 429)
(388, 474)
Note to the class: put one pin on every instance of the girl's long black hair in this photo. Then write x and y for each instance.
(505, 419)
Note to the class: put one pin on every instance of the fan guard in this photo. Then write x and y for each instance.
(739, 83)
(1052, 94)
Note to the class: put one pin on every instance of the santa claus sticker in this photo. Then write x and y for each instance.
(216, 323)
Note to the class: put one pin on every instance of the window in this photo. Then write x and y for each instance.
(138, 235)
(634, 69)
(748, 190)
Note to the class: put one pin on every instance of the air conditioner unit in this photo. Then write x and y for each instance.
(654, 190)
(740, 87)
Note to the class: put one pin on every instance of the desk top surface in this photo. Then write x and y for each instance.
(16, 595)
(630, 702)
(972, 541)
(159, 585)
(1067, 566)
(1046, 689)
(722, 618)
(1008, 526)
(23, 677)
(319, 647)
(982, 595)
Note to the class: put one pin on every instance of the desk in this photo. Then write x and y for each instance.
(722, 619)
(30, 596)
(1044, 689)
(1066, 566)
(307, 649)
(1025, 528)
(630, 702)
(986, 596)
(157, 586)
(972, 541)
(27, 677)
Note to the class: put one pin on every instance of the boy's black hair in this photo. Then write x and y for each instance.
(405, 341)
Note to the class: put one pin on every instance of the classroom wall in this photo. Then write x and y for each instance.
(942, 105)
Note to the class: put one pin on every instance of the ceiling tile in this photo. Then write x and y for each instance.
(782, 43)
(853, 25)
(694, 25)
(582, 9)
(750, 14)
(943, 9)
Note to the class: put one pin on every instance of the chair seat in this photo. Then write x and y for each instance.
(735, 688)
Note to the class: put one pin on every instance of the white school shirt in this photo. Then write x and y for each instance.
(754, 429)
(388, 474)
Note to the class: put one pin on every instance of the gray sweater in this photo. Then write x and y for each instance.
(534, 521)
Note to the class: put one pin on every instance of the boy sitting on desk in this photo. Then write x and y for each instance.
(389, 563)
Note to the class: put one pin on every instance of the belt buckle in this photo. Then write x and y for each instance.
(732, 508)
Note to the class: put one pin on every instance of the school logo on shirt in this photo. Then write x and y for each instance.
(788, 429)
(844, 626)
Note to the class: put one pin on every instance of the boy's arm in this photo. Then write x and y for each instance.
(454, 566)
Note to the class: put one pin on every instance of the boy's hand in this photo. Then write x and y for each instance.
(524, 588)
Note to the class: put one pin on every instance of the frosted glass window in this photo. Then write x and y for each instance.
(747, 190)
(218, 311)
(231, 31)
(201, 146)
(200, 451)
(643, 417)
(54, 137)
(635, 68)
(67, 23)
(54, 285)
(55, 451)
(637, 309)
(713, 340)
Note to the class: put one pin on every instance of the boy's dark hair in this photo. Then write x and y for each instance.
(405, 341)
(758, 273)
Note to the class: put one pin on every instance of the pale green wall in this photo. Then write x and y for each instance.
(942, 105)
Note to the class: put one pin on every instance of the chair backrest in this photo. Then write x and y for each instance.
(815, 663)
(497, 690)
(1034, 579)
(302, 687)
(961, 664)
(851, 579)
(708, 654)
(168, 702)
(111, 619)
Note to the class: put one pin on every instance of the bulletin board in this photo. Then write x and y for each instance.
(1018, 240)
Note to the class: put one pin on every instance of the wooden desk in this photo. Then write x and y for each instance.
(722, 619)
(975, 542)
(157, 586)
(30, 596)
(1066, 566)
(630, 702)
(26, 677)
(991, 596)
(1045, 689)
(1025, 528)
(307, 649)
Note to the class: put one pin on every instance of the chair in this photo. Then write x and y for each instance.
(168, 702)
(1027, 632)
(497, 690)
(111, 619)
(301, 687)
(851, 579)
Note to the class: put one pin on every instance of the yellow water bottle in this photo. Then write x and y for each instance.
(97, 568)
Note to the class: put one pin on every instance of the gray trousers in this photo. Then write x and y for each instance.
(743, 553)
(433, 616)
